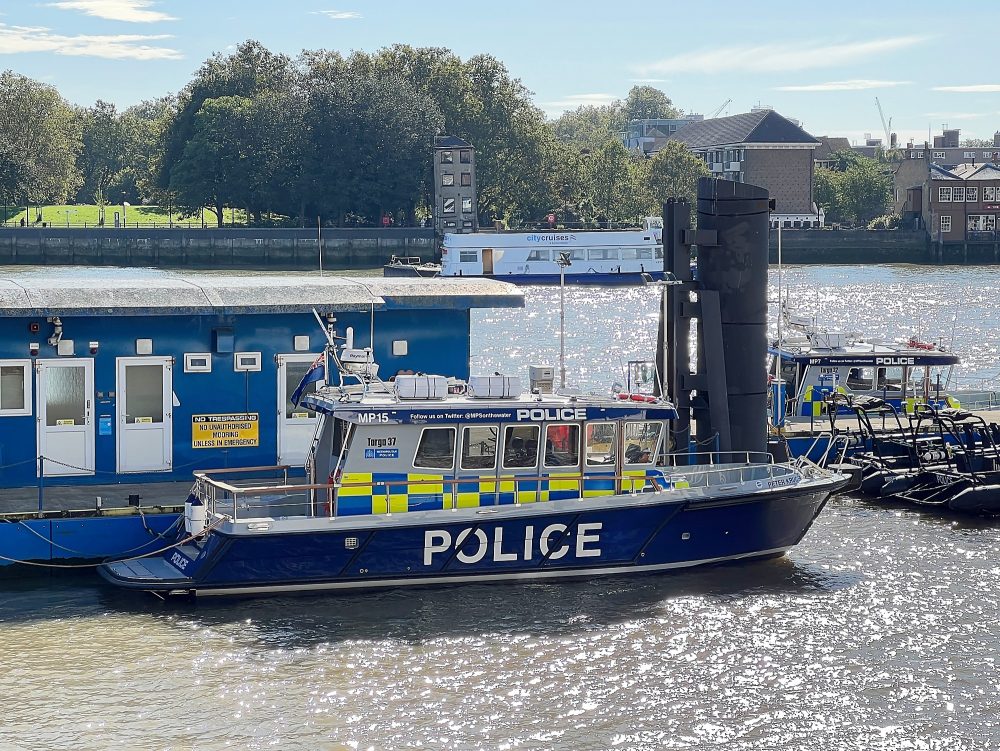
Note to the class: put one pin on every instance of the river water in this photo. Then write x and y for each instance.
(880, 631)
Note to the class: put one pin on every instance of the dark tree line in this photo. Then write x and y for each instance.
(346, 138)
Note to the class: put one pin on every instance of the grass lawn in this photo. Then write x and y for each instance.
(83, 215)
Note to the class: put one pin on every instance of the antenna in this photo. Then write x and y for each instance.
(319, 244)
(325, 328)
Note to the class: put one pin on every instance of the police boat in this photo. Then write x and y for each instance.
(427, 481)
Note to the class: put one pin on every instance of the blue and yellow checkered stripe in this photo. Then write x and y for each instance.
(367, 493)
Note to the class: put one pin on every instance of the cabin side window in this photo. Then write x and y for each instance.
(600, 443)
(15, 387)
(520, 446)
(578, 254)
(562, 445)
(644, 254)
(436, 449)
(602, 254)
(889, 379)
(468, 256)
(538, 254)
(641, 440)
(861, 378)
(479, 447)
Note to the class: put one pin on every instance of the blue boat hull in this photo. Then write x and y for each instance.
(371, 554)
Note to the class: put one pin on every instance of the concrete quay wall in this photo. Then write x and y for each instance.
(212, 248)
(373, 247)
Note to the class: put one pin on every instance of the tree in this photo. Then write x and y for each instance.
(252, 70)
(41, 134)
(826, 193)
(864, 191)
(104, 154)
(674, 173)
(977, 143)
(589, 126)
(609, 175)
(646, 102)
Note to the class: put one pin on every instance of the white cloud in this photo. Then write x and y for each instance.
(956, 115)
(575, 100)
(978, 88)
(857, 84)
(339, 15)
(132, 11)
(649, 80)
(779, 58)
(20, 39)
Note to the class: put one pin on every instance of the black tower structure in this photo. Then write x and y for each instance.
(725, 396)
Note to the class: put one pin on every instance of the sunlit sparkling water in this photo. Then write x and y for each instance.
(880, 631)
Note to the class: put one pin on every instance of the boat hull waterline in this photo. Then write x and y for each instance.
(652, 532)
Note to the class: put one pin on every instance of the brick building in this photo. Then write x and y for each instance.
(761, 148)
(962, 203)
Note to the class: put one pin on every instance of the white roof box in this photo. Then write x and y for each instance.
(494, 387)
(421, 387)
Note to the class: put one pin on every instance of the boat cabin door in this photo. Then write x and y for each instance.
(145, 414)
(65, 416)
(487, 261)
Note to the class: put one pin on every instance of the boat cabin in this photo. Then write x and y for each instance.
(901, 375)
(384, 454)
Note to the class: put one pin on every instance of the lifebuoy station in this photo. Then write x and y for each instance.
(114, 382)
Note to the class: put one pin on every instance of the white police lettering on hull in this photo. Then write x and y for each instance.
(540, 414)
(440, 541)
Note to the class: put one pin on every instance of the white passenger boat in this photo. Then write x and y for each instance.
(580, 256)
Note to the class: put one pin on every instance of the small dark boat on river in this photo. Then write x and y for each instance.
(945, 458)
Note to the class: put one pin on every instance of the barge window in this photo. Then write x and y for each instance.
(468, 256)
(436, 449)
(641, 440)
(520, 446)
(479, 447)
(15, 394)
(600, 443)
(562, 445)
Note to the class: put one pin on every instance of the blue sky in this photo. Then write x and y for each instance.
(823, 65)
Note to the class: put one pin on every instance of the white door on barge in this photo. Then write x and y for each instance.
(296, 425)
(65, 418)
(144, 409)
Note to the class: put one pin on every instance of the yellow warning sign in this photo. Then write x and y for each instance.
(225, 431)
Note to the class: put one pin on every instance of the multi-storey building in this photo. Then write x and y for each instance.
(762, 148)
(455, 208)
(647, 136)
(962, 203)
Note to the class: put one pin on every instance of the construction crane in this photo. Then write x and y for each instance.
(721, 107)
(885, 127)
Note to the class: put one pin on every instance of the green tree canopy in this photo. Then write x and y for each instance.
(41, 136)
(647, 102)
(674, 173)
(864, 191)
